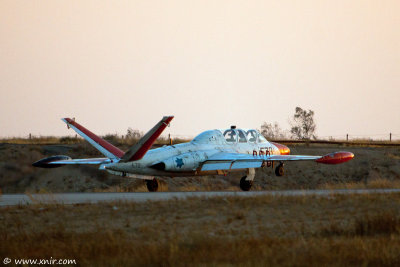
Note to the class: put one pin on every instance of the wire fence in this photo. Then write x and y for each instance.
(371, 137)
(179, 138)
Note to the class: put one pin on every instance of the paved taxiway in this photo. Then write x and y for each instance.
(81, 198)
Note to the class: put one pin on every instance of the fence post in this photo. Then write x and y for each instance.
(390, 138)
(169, 139)
(347, 137)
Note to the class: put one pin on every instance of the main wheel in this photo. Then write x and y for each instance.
(245, 185)
(152, 185)
(279, 171)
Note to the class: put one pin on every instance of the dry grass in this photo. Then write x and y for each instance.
(41, 140)
(384, 223)
(287, 231)
(378, 183)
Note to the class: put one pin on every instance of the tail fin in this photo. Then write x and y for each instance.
(139, 150)
(100, 144)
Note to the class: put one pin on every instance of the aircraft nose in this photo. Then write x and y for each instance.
(284, 150)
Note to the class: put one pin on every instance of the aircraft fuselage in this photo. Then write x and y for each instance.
(186, 158)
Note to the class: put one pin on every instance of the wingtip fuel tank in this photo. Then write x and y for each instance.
(336, 157)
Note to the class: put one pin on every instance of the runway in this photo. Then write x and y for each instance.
(82, 198)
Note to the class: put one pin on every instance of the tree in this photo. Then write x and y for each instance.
(303, 125)
(133, 134)
(272, 131)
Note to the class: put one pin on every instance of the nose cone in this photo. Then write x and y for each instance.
(284, 150)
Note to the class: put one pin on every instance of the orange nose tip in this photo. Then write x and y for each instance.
(283, 150)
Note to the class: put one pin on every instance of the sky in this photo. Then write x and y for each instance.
(211, 64)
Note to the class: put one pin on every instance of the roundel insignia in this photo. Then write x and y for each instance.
(179, 162)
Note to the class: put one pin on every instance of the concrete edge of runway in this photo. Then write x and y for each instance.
(93, 198)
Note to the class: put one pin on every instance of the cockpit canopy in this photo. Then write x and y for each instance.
(230, 136)
(243, 136)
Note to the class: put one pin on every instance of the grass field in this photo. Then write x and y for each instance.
(288, 231)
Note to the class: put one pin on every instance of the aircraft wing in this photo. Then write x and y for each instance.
(231, 161)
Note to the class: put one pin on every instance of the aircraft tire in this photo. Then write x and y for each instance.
(279, 171)
(152, 185)
(245, 185)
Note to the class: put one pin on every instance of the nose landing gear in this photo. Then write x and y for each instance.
(152, 185)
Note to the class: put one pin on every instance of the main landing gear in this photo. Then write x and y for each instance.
(247, 181)
(244, 184)
(279, 171)
(152, 185)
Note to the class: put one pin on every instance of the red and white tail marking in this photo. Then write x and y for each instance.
(100, 144)
(139, 150)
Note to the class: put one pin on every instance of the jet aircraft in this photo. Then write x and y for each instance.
(213, 152)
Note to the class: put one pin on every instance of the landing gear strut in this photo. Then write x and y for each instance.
(279, 171)
(152, 185)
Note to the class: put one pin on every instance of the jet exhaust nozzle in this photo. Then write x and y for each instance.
(158, 166)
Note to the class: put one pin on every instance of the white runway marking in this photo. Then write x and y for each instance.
(80, 198)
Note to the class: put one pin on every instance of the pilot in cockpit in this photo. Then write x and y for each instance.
(230, 135)
(251, 136)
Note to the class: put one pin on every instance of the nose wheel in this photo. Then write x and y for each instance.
(279, 171)
(152, 185)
